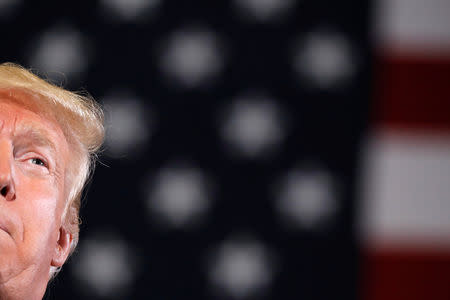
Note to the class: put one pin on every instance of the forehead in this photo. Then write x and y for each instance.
(20, 121)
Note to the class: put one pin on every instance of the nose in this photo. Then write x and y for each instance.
(7, 190)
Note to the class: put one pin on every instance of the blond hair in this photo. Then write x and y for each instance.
(80, 118)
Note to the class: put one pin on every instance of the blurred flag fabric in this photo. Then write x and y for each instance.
(405, 209)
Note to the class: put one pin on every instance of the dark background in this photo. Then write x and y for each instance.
(294, 81)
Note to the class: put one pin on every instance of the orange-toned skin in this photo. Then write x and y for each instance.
(33, 193)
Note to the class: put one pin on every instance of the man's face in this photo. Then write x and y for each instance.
(34, 157)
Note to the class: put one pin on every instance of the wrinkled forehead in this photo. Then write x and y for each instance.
(34, 125)
(48, 110)
(37, 123)
(20, 122)
(55, 113)
(32, 121)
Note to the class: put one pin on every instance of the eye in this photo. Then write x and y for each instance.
(38, 161)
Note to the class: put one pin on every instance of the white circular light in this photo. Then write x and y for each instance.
(307, 198)
(61, 51)
(264, 10)
(192, 57)
(105, 265)
(241, 267)
(325, 59)
(128, 124)
(179, 195)
(253, 126)
(128, 10)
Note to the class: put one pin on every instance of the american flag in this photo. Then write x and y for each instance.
(255, 149)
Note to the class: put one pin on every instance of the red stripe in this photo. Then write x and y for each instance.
(406, 275)
(412, 92)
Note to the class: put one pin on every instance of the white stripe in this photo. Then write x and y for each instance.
(406, 190)
(413, 25)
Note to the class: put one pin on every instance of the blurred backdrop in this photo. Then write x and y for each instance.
(255, 149)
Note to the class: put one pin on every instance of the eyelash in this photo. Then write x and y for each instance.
(42, 163)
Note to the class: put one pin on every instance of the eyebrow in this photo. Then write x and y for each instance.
(36, 135)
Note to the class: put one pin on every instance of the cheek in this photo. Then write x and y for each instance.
(38, 201)
(41, 220)
(40, 196)
(42, 193)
